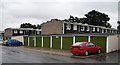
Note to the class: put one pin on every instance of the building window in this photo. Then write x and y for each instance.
(105, 31)
(88, 29)
(68, 26)
(98, 29)
(75, 27)
(15, 31)
(111, 31)
(82, 28)
(93, 28)
(102, 30)
(21, 31)
(38, 32)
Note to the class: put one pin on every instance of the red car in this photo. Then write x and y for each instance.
(85, 48)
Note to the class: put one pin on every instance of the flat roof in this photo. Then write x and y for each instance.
(90, 25)
(25, 29)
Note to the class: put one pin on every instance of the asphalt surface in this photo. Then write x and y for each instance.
(20, 55)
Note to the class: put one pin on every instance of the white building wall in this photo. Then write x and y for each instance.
(19, 38)
(112, 43)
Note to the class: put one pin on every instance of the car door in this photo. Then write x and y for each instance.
(89, 48)
(93, 47)
(13, 42)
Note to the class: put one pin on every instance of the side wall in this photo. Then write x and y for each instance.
(8, 32)
(112, 43)
(52, 27)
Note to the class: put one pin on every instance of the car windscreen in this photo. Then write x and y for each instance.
(77, 44)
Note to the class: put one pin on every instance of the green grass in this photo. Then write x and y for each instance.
(81, 38)
(56, 42)
(100, 41)
(25, 41)
(46, 42)
(31, 41)
(67, 42)
(39, 41)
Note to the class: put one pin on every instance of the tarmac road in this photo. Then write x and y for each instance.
(20, 55)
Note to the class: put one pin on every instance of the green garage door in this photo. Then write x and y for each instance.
(100, 41)
(56, 42)
(46, 42)
(38, 41)
(31, 41)
(81, 38)
(67, 42)
(25, 41)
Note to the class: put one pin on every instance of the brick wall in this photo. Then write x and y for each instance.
(8, 32)
(52, 27)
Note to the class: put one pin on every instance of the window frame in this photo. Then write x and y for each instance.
(15, 31)
(21, 31)
(93, 45)
(74, 27)
(88, 28)
(93, 29)
(82, 28)
(68, 26)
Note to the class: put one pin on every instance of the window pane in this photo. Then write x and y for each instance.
(82, 28)
(91, 44)
(21, 31)
(15, 31)
(75, 27)
(78, 44)
(68, 26)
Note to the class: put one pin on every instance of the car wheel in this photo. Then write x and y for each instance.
(99, 51)
(86, 53)
(21, 44)
(74, 54)
(9, 45)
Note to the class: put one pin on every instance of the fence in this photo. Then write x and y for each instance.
(63, 41)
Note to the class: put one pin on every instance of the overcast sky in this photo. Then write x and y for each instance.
(15, 12)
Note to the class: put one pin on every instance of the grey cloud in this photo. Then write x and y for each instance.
(38, 11)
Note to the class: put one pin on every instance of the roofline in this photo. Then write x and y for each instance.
(25, 29)
(70, 35)
(89, 25)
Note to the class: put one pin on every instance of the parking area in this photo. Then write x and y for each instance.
(112, 57)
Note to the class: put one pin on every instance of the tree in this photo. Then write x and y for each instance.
(77, 20)
(29, 25)
(71, 19)
(118, 25)
(26, 25)
(92, 18)
(38, 26)
(96, 18)
(108, 25)
(34, 27)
